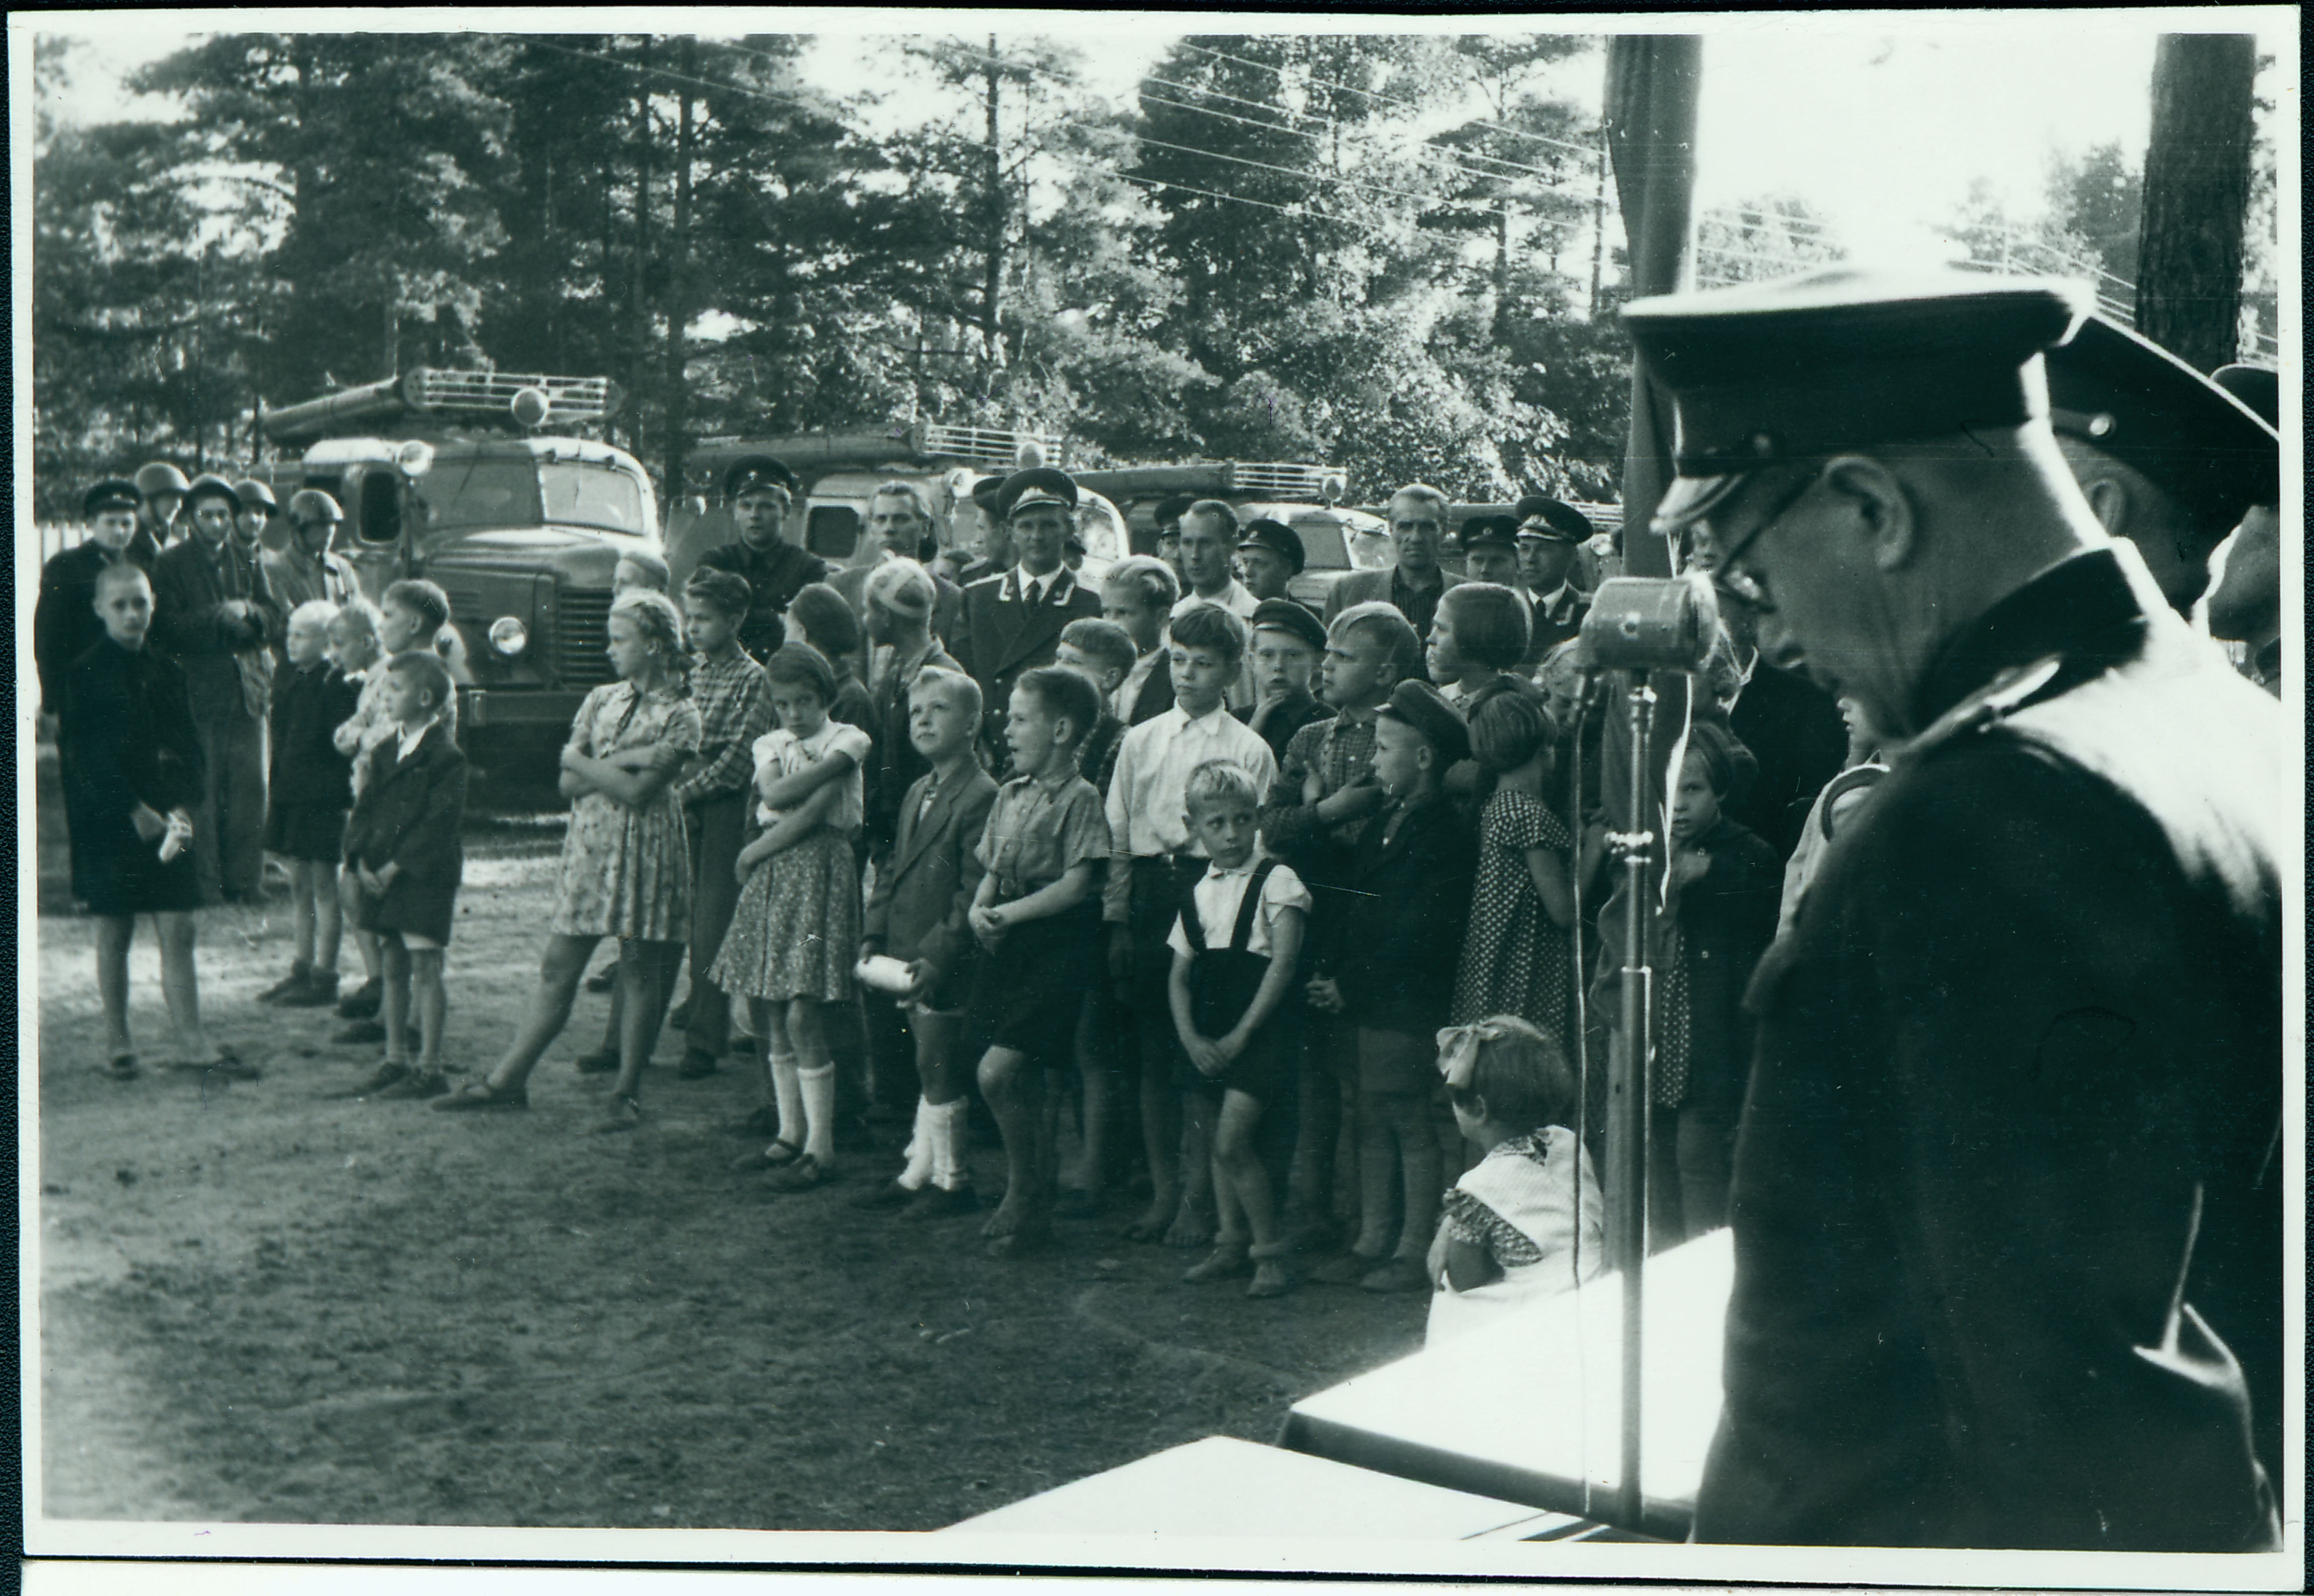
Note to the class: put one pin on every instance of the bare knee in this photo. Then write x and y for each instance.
(1000, 1074)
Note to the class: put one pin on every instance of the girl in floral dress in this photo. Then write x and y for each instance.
(626, 867)
(796, 926)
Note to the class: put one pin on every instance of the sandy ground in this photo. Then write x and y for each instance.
(270, 1301)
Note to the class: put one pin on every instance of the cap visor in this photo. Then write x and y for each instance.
(1689, 499)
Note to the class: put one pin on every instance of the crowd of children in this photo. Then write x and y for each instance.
(1320, 948)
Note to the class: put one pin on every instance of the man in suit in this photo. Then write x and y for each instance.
(215, 613)
(901, 523)
(1011, 621)
(2167, 458)
(760, 491)
(1417, 522)
(2019, 1055)
(65, 622)
(1792, 727)
(1551, 538)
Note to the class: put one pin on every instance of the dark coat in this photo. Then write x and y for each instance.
(190, 588)
(308, 707)
(2025, 1028)
(922, 891)
(999, 639)
(1290, 716)
(774, 579)
(410, 813)
(1393, 952)
(1156, 694)
(1794, 729)
(65, 624)
(1555, 625)
(1726, 921)
(127, 736)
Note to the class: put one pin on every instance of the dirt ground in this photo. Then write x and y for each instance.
(269, 1301)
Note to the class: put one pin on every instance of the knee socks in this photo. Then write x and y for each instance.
(920, 1154)
(788, 1094)
(946, 1124)
(819, 1085)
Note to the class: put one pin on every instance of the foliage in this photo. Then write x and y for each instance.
(1273, 252)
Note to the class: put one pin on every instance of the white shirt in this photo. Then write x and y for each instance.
(1220, 894)
(1145, 804)
(1036, 590)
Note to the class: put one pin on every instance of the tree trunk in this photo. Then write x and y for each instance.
(993, 285)
(1502, 270)
(2197, 170)
(638, 315)
(679, 287)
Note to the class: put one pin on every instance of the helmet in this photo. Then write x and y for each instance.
(209, 485)
(161, 477)
(256, 495)
(311, 504)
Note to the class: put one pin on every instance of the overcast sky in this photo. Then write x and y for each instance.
(1880, 122)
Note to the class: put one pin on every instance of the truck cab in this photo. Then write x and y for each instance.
(521, 528)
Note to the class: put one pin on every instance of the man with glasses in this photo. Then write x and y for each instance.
(2022, 1044)
(1416, 583)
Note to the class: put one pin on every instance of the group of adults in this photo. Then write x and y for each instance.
(220, 602)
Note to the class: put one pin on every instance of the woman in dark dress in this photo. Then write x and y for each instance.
(132, 766)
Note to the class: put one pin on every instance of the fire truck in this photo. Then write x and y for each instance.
(478, 481)
(1335, 540)
(840, 471)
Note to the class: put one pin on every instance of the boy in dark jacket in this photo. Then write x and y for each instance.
(1389, 968)
(402, 846)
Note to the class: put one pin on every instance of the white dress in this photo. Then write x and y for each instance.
(1533, 1204)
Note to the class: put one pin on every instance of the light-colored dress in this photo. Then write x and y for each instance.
(795, 929)
(1533, 1204)
(627, 872)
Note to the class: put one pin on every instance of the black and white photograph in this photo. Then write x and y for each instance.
(1257, 794)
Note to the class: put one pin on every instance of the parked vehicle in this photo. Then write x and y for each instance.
(456, 476)
(1334, 541)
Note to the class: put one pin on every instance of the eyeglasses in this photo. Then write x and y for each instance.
(1728, 570)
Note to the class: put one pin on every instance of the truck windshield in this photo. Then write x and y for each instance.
(581, 495)
(481, 492)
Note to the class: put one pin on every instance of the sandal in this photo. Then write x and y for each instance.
(777, 1156)
(622, 1113)
(800, 1175)
(477, 1095)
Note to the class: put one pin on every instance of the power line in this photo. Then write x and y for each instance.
(1391, 99)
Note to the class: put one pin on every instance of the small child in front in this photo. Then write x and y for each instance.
(918, 913)
(1236, 944)
(308, 793)
(402, 849)
(1037, 915)
(1526, 1220)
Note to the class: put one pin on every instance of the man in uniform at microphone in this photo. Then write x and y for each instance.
(2025, 1032)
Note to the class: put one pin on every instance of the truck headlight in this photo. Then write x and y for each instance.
(509, 636)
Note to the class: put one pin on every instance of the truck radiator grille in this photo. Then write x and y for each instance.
(582, 631)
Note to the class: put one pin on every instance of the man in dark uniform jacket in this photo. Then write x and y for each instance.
(214, 614)
(161, 513)
(1550, 535)
(65, 624)
(1011, 621)
(760, 492)
(2025, 1032)
(2167, 458)
(1792, 727)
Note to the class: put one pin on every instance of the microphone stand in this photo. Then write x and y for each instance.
(1628, 1112)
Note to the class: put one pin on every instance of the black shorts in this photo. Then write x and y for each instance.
(1028, 990)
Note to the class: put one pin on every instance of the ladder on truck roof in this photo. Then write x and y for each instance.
(424, 393)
